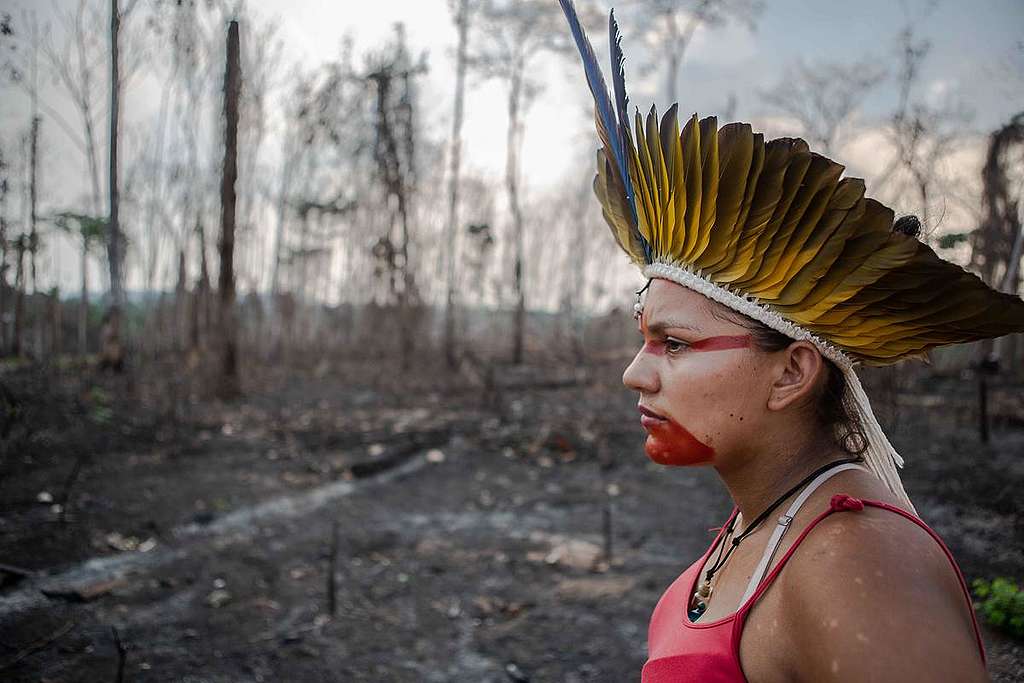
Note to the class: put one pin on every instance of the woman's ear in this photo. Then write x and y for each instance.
(797, 372)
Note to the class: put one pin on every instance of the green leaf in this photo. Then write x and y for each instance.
(950, 240)
(1001, 604)
(90, 228)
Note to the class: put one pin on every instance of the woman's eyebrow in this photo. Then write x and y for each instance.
(659, 326)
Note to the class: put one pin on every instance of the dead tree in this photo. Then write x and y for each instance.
(674, 24)
(54, 318)
(262, 51)
(74, 62)
(4, 187)
(462, 19)
(113, 349)
(21, 246)
(201, 295)
(23, 70)
(90, 231)
(574, 270)
(33, 197)
(394, 155)
(515, 34)
(922, 134)
(998, 242)
(992, 244)
(228, 327)
(326, 165)
(823, 98)
(296, 141)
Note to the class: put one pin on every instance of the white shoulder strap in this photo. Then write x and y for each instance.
(783, 526)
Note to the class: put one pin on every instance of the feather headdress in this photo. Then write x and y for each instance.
(772, 230)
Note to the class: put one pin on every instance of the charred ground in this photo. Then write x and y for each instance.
(341, 523)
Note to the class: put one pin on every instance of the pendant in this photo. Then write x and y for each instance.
(700, 600)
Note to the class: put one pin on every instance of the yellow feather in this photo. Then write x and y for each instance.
(735, 153)
(709, 189)
(692, 180)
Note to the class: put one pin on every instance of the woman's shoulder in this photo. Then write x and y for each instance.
(861, 584)
(868, 530)
(867, 538)
(869, 546)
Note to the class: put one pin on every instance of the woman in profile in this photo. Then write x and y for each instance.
(769, 277)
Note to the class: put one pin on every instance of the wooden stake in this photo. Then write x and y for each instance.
(121, 654)
(332, 565)
(608, 531)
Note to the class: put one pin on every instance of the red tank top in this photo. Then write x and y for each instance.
(680, 651)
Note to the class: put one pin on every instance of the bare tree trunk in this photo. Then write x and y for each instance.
(94, 171)
(677, 42)
(452, 229)
(83, 301)
(405, 301)
(228, 337)
(180, 325)
(33, 153)
(33, 193)
(19, 297)
(402, 186)
(282, 206)
(576, 265)
(55, 325)
(3, 254)
(203, 291)
(290, 156)
(113, 350)
(675, 56)
(156, 194)
(512, 185)
(922, 192)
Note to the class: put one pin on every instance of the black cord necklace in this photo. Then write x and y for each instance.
(703, 593)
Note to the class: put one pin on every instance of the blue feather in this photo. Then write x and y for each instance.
(595, 79)
(614, 129)
(622, 107)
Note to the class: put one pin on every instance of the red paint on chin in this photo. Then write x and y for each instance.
(668, 443)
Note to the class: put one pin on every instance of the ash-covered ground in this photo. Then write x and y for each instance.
(344, 524)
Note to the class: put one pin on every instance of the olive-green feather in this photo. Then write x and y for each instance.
(735, 154)
(693, 181)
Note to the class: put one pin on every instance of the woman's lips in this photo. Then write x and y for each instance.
(649, 418)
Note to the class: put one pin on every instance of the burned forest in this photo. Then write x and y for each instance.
(312, 332)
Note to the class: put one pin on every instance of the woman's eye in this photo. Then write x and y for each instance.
(675, 345)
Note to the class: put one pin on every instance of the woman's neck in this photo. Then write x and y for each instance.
(759, 480)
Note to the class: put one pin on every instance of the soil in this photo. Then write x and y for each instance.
(345, 524)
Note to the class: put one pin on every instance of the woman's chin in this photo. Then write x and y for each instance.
(671, 455)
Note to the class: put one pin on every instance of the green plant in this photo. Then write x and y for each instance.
(1002, 604)
(98, 407)
(952, 239)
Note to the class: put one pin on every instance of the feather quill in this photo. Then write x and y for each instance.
(612, 129)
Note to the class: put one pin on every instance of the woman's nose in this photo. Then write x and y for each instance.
(640, 375)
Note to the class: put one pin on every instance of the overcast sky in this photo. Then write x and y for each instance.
(976, 59)
(975, 47)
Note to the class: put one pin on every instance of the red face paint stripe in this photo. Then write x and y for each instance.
(655, 349)
(721, 343)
